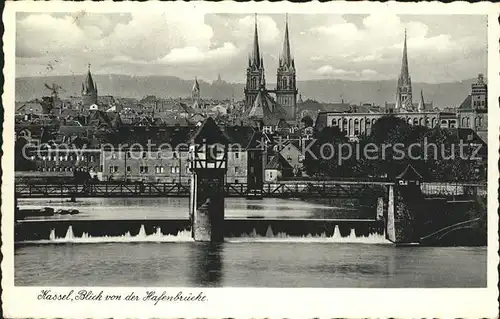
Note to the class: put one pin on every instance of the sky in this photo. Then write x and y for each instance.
(325, 46)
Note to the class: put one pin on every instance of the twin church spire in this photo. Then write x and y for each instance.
(286, 92)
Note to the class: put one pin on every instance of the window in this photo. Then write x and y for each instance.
(251, 169)
(113, 156)
(111, 169)
(144, 155)
(128, 169)
(236, 169)
(236, 181)
(177, 169)
(143, 169)
(172, 169)
(236, 155)
(100, 168)
(158, 169)
(92, 158)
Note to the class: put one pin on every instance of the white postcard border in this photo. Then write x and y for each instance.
(258, 302)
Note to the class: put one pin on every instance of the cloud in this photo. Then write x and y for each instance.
(323, 45)
(328, 70)
(193, 55)
(267, 29)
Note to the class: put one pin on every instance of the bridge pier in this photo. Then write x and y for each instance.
(405, 201)
(208, 157)
(207, 207)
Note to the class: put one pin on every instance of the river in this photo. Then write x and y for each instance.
(273, 260)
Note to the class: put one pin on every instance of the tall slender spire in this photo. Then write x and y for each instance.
(196, 85)
(256, 51)
(421, 106)
(405, 74)
(286, 56)
(89, 85)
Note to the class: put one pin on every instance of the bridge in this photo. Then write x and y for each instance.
(283, 189)
(300, 189)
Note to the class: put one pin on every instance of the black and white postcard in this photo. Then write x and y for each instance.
(229, 159)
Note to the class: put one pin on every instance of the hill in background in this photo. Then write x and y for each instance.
(328, 90)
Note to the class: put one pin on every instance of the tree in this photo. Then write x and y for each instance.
(324, 162)
(308, 121)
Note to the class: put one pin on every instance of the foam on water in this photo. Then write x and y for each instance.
(141, 237)
(373, 238)
(185, 236)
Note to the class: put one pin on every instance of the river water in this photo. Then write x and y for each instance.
(273, 260)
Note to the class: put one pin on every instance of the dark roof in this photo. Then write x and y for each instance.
(410, 174)
(69, 130)
(335, 107)
(242, 135)
(266, 109)
(320, 122)
(156, 135)
(210, 132)
(279, 163)
(466, 104)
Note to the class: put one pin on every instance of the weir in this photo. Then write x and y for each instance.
(140, 235)
(43, 230)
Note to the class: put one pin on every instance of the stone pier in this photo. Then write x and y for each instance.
(404, 203)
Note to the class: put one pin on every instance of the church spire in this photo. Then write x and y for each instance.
(256, 51)
(421, 106)
(89, 85)
(286, 57)
(196, 85)
(405, 74)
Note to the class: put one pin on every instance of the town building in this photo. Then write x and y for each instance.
(473, 112)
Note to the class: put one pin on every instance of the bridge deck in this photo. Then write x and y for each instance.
(341, 189)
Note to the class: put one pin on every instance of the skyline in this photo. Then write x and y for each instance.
(344, 47)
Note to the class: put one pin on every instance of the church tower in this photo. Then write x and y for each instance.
(195, 91)
(255, 72)
(286, 88)
(89, 90)
(404, 93)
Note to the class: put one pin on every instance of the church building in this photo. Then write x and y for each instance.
(259, 104)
